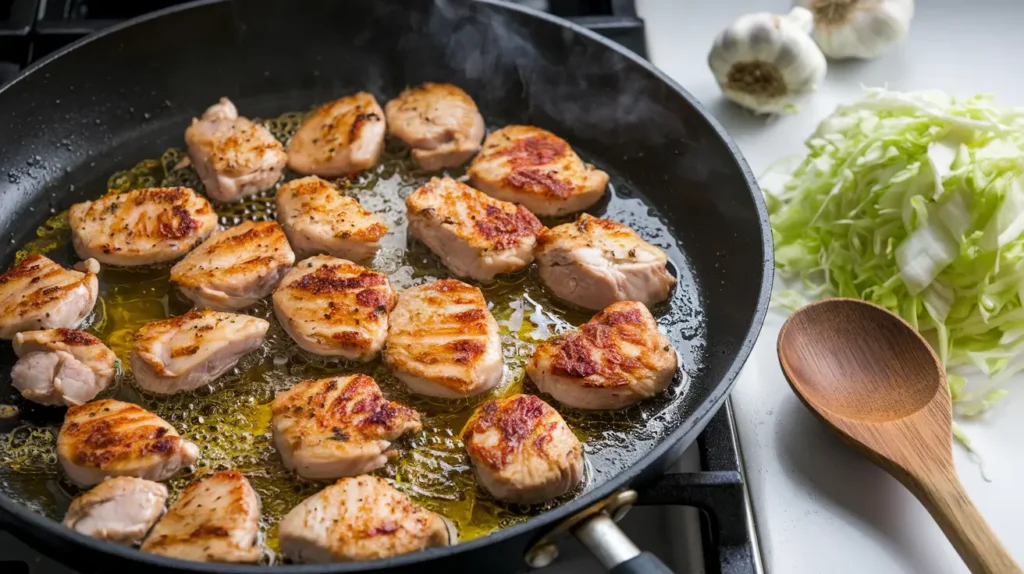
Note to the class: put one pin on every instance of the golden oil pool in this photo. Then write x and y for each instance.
(230, 420)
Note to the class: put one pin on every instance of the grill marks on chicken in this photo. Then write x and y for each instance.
(61, 366)
(536, 168)
(475, 235)
(215, 519)
(339, 138)
(110, 438)
(40, 294)
(119, 510)
(443, 341)
(141, 227)
(522, 450)
(186, 352)
(361, 518)
(334, 307)
(235, 267)
(318, 218)
(595, 262)
(616, 359)
(341, 426)
(440, 122)
(233, 156)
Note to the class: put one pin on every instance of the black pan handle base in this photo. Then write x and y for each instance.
(614, 550)
(644, 563)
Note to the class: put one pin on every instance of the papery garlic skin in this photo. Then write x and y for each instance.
(859, 28)
(764, 62)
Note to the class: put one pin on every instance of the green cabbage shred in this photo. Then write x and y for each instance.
(914, 201)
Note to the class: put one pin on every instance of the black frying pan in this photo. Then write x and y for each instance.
(126, 94)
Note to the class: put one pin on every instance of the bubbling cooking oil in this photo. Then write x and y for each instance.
(230, 420)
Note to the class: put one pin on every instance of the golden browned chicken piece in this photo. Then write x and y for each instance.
(341, 426)
(61, 366)
(616, 359)
(334, 307)
(362, 518)
(236, 267)
(522, 450)
(189, 351)
(216, 519)
(538, 169)
(39, 294)
(443, 341)
(141, 227)
(319, 219)
(474, 234)
(120, 510)
(342, 137)
(594, 262)
(233, 156)
(109, 438)
(440, 122)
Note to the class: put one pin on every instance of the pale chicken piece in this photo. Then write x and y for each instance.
(189, 351)
(40, 294)
(61, 366)
(616, 359)
(233, 156)
(141, 227)
(335, 308)
(109, 438)
(336, 427)
(339, 138)
(594, 262)
(522, 450)
(474, 234)
(440, 122)
(538, 169)
(120, 510)
(216, 519)
(362, 518)
(319, 219)
(236, 267)
(443, 341)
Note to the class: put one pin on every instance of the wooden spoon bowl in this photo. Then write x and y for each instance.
(873, 379)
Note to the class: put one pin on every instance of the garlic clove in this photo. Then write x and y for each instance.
(859, 28)
(764, 62)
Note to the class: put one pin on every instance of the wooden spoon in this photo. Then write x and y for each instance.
(873, 379)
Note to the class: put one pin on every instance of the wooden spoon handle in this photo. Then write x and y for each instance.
(945, 498)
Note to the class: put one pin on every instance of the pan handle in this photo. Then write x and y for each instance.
(614, 550)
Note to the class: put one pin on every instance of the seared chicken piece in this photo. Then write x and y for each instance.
(233, 156)
(362, 518)
(614, 360)
(120, 510)
(112, 438)
(342, 426)
(61, 366)
(474, 234)
(235, 267)
(440, 122)
(186, 352)
(318, 218)
(216, 519)
(141, 227)
(594, 262)
(335, 308)
(443, 341)
(538, 169)
(39, 294)
(342, 137)
(522, 450)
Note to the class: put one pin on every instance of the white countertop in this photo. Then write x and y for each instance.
(820, 507)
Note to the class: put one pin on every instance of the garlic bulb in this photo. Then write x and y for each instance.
(764, 61)
(859, 28)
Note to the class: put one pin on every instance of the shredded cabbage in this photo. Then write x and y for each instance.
(914, 201)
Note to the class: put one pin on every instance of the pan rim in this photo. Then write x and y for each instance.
(699, 418)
